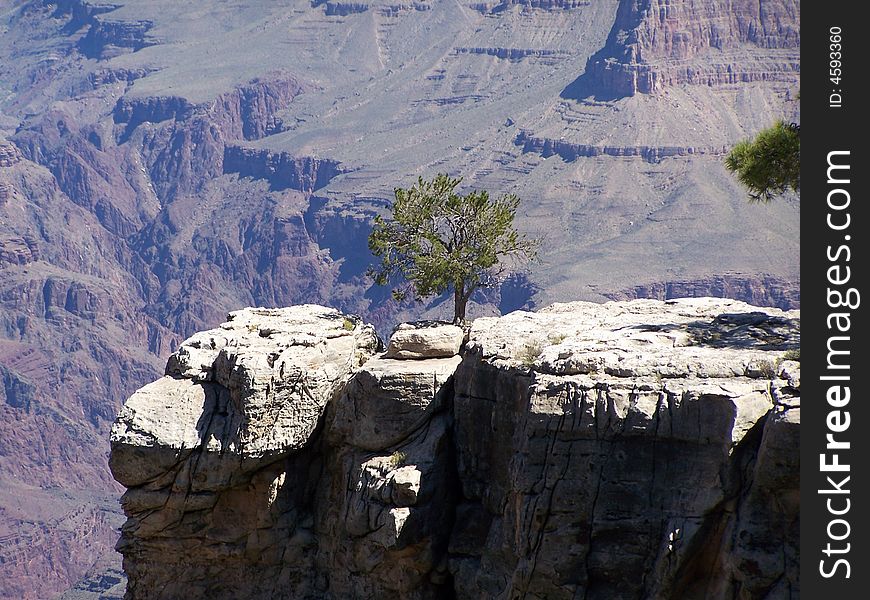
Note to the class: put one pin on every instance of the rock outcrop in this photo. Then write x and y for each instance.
(205, 452)
(659, 43)
(633, 422)
(621, 450)
(106, 38)
(568, 151)
(280, 169)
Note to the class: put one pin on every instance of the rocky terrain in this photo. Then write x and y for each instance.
(164, 163)
(640, 449)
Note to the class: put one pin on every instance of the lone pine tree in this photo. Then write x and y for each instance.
(438, 240)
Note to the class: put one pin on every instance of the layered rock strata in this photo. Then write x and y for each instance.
(568, 151)
(622, 450)
(655, 44)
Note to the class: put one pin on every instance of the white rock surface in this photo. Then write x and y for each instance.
(688, 337)
(253, 388)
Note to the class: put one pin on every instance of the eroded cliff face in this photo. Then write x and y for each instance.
(655, 44)
(631, 449)
(635, 422)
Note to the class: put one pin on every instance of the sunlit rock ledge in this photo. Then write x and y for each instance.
(620, 450)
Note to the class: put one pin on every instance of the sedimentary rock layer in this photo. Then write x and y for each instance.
(659, 43)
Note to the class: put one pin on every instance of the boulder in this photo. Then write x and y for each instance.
(425, 340)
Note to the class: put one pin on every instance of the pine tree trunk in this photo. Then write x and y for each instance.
(460, 301)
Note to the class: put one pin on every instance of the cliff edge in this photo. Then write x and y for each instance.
(639, 449)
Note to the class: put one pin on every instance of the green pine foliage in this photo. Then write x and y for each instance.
(770, 164)
(438, 240)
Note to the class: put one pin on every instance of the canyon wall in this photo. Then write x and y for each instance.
(655, 44)
(626, 450)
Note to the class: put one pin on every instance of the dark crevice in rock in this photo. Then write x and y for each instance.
(453, 495)
(703, 571)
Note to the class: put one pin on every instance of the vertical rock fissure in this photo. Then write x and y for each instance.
(655, 440)
(715, 538)
(660, 528)
(570, 400)
(453, 487)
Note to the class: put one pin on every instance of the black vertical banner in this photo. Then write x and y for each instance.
(835, 412)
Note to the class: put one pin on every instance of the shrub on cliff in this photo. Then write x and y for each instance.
(438, 240)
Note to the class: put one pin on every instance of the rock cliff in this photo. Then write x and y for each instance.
(639, 449)
(656, 44)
